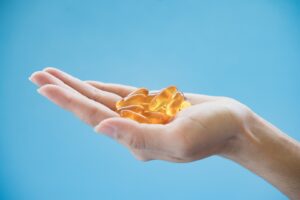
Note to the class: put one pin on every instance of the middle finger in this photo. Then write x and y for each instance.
(103, 97)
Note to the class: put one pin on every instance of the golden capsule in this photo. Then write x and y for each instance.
(174, 106)
(134, 108)
(156, 117)
(153, 108)
(136, 99)
(134, 116)
(145, 106)
(162, 98)
(184, 105)
(149, 98)
(143, 91)
(161, 109)
(146, 101)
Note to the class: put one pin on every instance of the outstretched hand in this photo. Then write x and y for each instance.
(211, 126)
(204, 129)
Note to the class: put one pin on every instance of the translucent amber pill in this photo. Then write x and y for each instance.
(145, 106)
(184, 105)
(134, 116)
(152, 108)
(161, 109)
(156, 117)
(143, 91)
(134, 108)
(149, 98)
(174, 106)
(135, 99)
(162, 98)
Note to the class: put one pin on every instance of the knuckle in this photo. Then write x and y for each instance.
(95, 94)
(69, 102)
(91, 116)
(229, 101)
(226, 99)
(93, 112)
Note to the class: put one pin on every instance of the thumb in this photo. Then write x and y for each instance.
(133, 134)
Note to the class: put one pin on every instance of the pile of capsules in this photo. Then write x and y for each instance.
(152, 107)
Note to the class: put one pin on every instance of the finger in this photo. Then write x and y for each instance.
(107, 98)
(135, 135)
(124, 90)
(41, 78)
(199, 98)
(87, 110)
(121, 90)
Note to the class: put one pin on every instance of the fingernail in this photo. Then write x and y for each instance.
(31, 78)
(108, 130)
(40, 92)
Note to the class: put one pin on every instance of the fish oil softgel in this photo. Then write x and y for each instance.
(152, 108)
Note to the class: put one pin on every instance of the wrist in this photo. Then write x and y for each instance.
(244, 140)
(265, 150)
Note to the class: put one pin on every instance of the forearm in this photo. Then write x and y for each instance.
(266, 151)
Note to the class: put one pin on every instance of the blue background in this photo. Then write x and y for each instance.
(249, 50)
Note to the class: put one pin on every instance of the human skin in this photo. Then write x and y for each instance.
(211, 126)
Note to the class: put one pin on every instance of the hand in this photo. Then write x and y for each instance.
(199, 131)
(211, 126)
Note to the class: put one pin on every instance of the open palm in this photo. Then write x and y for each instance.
(201, 130)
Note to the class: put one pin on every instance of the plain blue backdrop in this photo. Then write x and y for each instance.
(249, 50)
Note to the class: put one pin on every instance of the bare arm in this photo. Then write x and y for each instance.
(269, 153)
